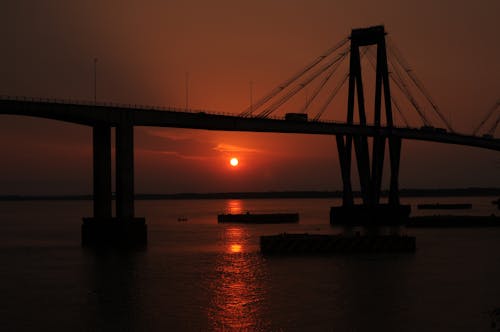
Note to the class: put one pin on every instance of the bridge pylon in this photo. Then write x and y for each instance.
(370, 170)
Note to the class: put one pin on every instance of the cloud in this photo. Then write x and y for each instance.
(172, 134)
(190, 144)
(185, 144)
(180, 155)
(223, 147)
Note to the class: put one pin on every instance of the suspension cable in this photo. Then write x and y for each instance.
(320, 87)
(486, 118)
(334, 92)
(331, 96)
(393, 100)
(299, 87)
(396, 106)
(493, 128)
(403, 87)
(248, 111)
(400, 59)
(412, 101)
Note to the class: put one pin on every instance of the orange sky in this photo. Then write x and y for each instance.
(145, 49)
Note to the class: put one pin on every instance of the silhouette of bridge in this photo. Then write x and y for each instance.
(126, 227)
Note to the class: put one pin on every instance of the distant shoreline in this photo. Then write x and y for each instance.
(459, 192)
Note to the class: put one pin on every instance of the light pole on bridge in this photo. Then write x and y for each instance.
(95, 80)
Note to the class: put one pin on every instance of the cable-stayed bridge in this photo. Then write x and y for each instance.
(323, 77)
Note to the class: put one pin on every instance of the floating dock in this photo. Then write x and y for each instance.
(259, 218)
(311, 244)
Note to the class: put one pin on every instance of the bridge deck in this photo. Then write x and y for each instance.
(91, 115)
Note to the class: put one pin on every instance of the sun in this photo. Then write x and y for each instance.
(234, 162)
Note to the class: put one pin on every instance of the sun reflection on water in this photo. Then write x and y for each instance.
(235, 248)
(234, 206)
(237, 289)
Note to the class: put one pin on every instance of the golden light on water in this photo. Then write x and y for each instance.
(235, 248)
(234, 206)
(237, 290)
(236, 238)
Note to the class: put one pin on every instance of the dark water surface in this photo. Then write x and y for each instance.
(198, 275)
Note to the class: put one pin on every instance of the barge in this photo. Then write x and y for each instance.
(258, 218)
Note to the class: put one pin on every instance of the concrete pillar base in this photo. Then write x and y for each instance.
(114, 232)
(363, 215)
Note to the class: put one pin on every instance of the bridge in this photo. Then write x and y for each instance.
(125, 227)
(90, 114)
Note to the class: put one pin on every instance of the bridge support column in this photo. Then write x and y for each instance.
(377, 168)
(125, 170)
(395, 157)
(102, 171)
(125, 229)
(344, 151)
(363, 162)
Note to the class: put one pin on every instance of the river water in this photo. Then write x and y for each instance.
(197, 275)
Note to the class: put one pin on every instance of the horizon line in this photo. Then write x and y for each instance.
(406, 192)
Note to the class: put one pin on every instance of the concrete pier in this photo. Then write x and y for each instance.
(102, 170)
(103, 229)
(125, 170)
(365, 215)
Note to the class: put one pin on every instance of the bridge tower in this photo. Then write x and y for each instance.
(370, 173)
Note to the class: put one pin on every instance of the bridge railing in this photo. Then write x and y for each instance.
(106, 104)
(120, 105)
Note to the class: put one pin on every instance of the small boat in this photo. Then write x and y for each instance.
(258, 218)
(445, 206)
(181, 219)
